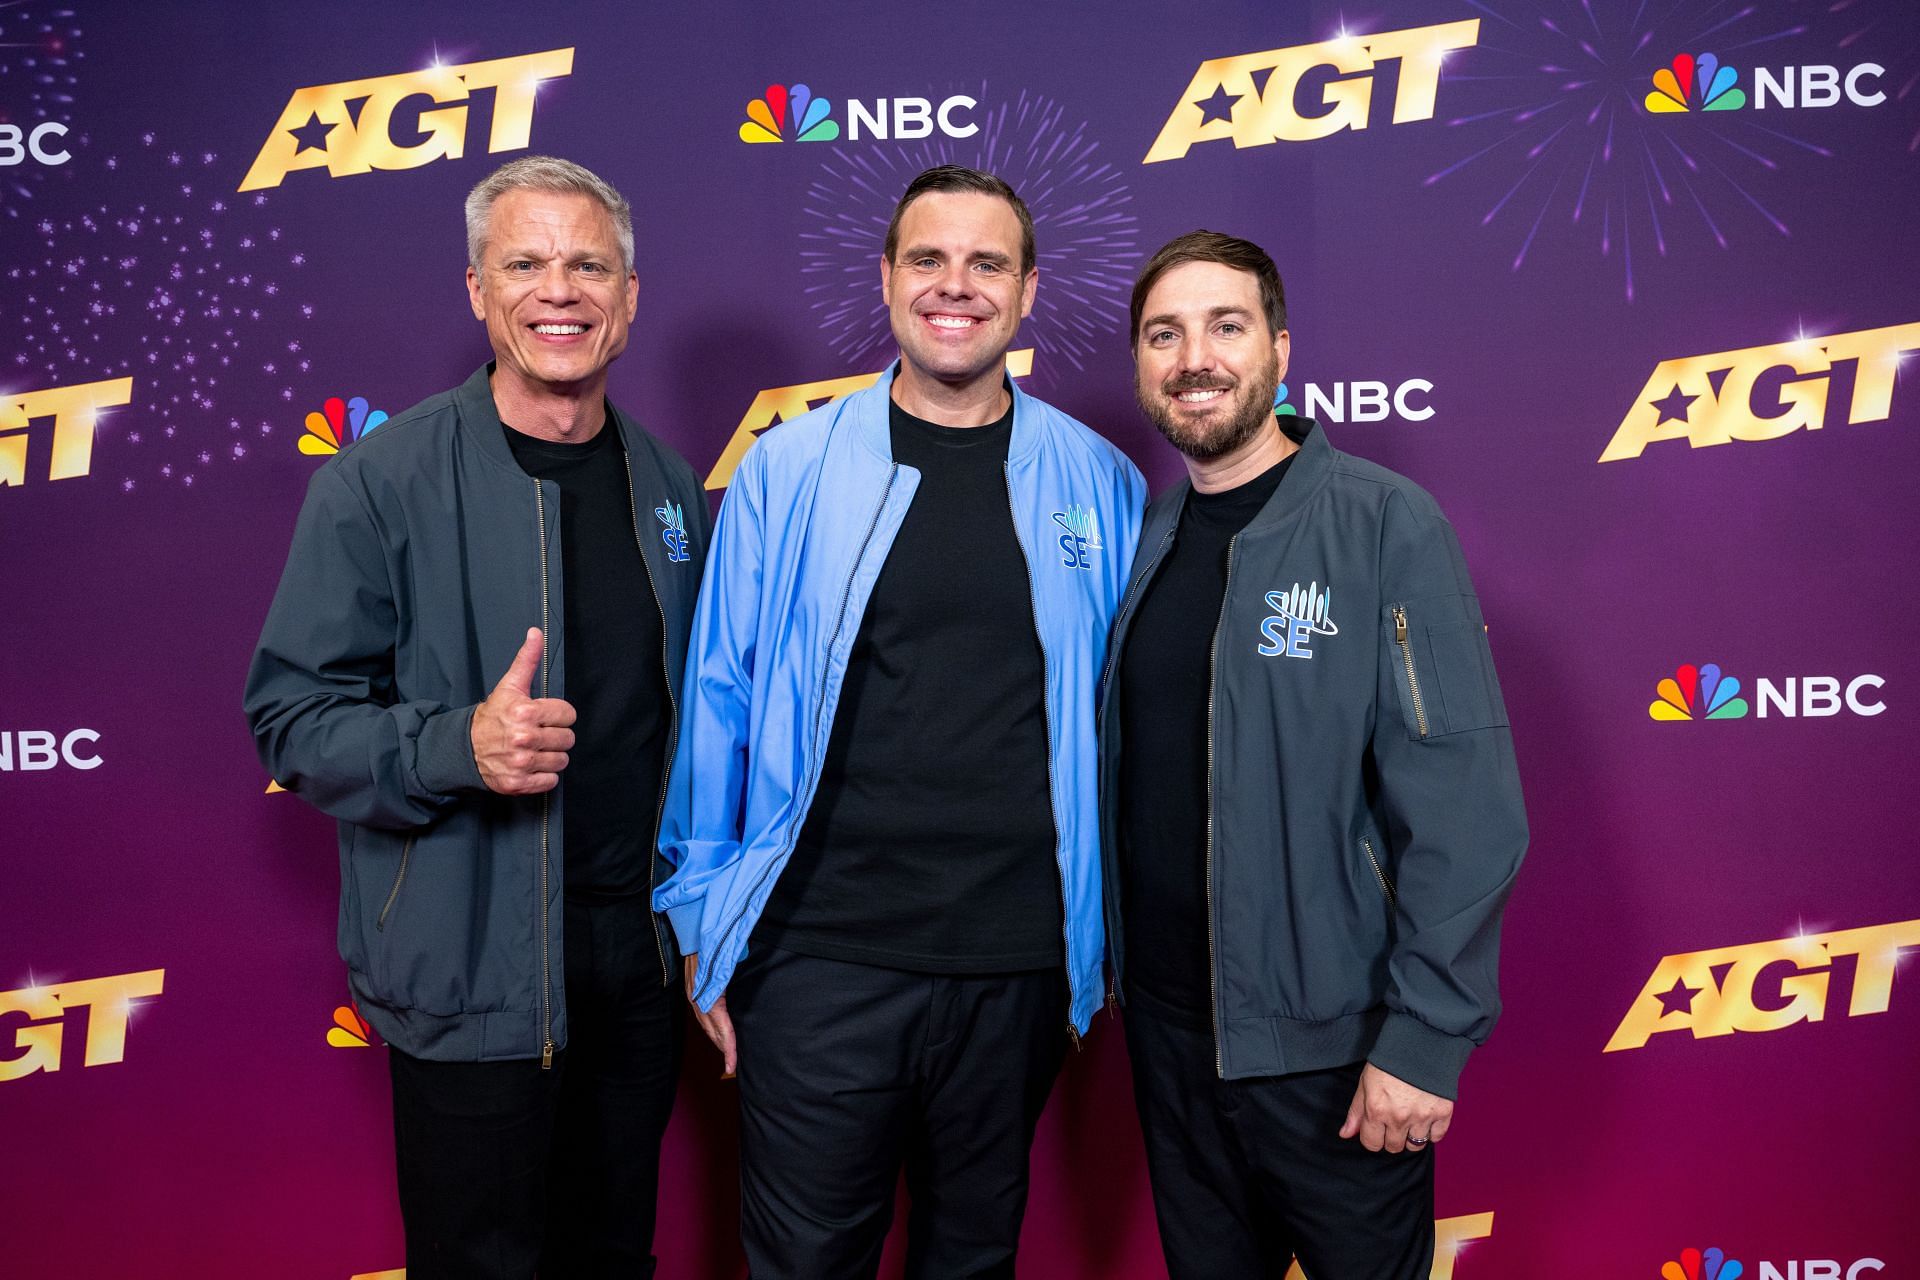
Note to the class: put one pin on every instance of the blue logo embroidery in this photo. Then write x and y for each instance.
(1081, 538)
(1298, 616)
(675, 533)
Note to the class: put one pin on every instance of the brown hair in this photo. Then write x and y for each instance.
(1212, 246)
(953, 177)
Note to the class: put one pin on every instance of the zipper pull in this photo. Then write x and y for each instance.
(1073, 1037)
(1399, 624)
(546, 1056)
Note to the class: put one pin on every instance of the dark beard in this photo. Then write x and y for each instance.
(1253, 413)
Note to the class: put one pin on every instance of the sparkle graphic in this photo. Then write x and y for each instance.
(1085, 231)
(1563, 85)
(39, 65)
(191, 291)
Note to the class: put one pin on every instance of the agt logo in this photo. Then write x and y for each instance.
(1705, 84)
(1714, 1264)
(1298, 616)
(1359, 401)
(347, 128)
(1704, 693)
(338, 423)
(1252, 98)
(675, 533)
(41, 1035)
(795, 113)
(777, 404)
(16, 145)
(1763, 393)
(1451, 1236)
(1764, 986)
(36, 750)
(1082, 536)
(75, 412)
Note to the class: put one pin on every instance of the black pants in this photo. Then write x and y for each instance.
(1248, 1173)
(507, 1170)
(847, 1072)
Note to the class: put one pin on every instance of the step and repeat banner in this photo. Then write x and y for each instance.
(1632, 286)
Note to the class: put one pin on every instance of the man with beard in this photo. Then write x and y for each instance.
(887, 848)
(1311, 814)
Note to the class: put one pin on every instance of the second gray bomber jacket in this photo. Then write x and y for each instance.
(1365, 820)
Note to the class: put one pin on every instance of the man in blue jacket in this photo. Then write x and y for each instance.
(473, 662)
(883, 815)
(1311, 813)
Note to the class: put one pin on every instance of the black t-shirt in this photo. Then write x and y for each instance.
(616, 675)
(930, 843)
(1165, 674)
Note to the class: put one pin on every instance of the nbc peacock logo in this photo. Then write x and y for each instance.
(1698, 693)
(784, 113)
(338, 423)
(349, 1029)
(1692, 1264)
(1696, 84)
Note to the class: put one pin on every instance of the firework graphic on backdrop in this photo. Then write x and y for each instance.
(192, 292)
(39, 62)
(1577, 146)
(1086, 234)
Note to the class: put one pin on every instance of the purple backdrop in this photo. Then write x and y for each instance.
(1504, 265)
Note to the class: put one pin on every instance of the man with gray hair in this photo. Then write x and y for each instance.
(473, 663)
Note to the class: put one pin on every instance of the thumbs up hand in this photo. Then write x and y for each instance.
(520, 742)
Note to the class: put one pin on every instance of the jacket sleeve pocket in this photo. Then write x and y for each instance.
(1443, 674)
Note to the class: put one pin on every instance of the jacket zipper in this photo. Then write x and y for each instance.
(819, 709)
(1213, 679)
(673, 727)
(1406, 655)
(1046, 682)
(1379, 873)
(393, 895)
(546, 800)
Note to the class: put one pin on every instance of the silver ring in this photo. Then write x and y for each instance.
(1417, 1142)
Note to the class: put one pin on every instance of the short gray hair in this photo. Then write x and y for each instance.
(545, 173)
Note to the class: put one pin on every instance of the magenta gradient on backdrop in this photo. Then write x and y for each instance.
(1503, 278)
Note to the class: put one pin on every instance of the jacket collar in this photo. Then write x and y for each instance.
(481, 419)
(873, 418)
(1309, 472)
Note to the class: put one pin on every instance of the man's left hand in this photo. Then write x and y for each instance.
(1390, 1114)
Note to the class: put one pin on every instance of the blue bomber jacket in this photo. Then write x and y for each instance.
(1364, 817)
(801, 538)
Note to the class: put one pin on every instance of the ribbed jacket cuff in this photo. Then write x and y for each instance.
(685, 919)
(443, 753)
(1423, 1057)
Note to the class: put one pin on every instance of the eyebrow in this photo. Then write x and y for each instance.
(1213, 313)
(927, 250)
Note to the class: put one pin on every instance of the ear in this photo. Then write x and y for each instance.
(1282, 348)
(473, 294)
(1027, 290)
(886, 282)
(633, 295)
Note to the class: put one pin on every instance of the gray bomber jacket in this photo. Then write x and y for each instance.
(421, 556)
(1366, 820)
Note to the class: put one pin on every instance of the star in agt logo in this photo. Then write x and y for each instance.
(1298, 616)
(1702, 82)
(1698, 693)
(40, 1037)
(675, 533)
(1252, 98)
(338, 423)
(777, 404)
(75, 412)
(1763, 393)
(1765, 986)
(1082, 536)
(347, 128)
(1692, 1264)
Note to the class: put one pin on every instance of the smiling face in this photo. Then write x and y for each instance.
(555, 294)
(1205, 365)
(954, 291)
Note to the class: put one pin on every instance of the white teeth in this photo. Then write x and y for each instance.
(559, 329)
(950, 322)
(1201, 396)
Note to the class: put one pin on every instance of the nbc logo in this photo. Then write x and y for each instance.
(1364, 401)
(349, 1029)
(767, 117)
(338, 423)
(1698, 693)
(1709, 85)
(1704, 693)
(1695, 1265)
